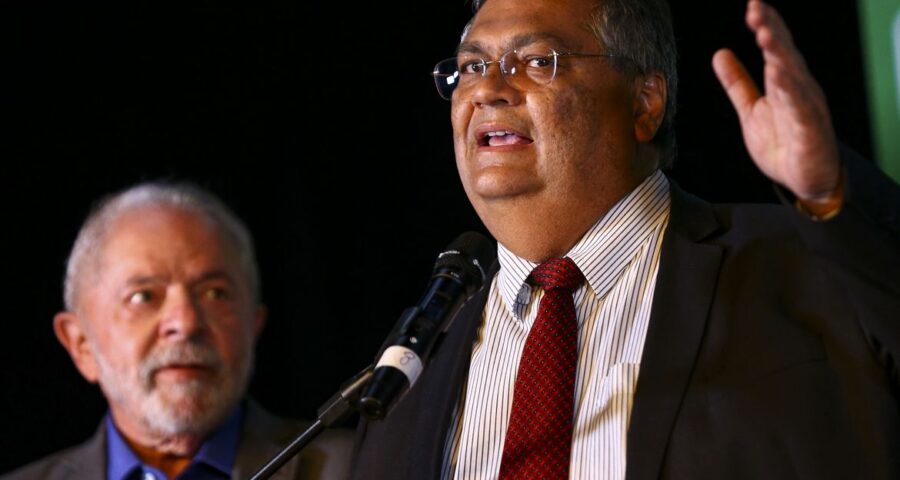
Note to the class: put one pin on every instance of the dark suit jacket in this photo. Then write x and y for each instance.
(262, 436)
(771, 352)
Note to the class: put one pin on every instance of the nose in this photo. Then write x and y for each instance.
(493, 89)
(182, 317)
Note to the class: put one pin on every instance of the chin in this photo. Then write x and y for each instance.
(184, 413)
(502, 185)
(194, 407)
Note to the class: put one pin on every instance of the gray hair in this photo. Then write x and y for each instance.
(641, 32)
(183, 196)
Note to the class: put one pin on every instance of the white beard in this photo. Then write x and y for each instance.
(192, 407)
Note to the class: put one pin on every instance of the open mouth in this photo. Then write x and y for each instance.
(179, 370)
(501, 138)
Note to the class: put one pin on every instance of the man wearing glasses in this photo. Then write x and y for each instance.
(631, 328)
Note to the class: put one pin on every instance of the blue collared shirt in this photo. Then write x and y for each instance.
(214, 460)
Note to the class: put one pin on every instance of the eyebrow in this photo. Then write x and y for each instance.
(514, 43)
(145, 280)
(214, 275)
(140, 280)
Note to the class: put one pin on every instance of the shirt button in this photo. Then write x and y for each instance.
(524, 295)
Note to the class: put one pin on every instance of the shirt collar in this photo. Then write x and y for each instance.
(218, 451)
(605, 250)
(121, 460)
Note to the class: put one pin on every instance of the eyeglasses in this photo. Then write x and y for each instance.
(523, 70)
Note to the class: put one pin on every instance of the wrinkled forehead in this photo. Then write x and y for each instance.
(162, 235)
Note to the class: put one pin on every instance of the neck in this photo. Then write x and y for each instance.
(542, 238)
(171, 458)
(169, 453)
(541, 226)
(538, 229)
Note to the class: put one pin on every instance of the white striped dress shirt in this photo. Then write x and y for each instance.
(619, 257)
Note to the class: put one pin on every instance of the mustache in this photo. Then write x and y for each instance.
(196, 354)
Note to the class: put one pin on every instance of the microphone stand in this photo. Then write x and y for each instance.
(337, 408)
(457, 274)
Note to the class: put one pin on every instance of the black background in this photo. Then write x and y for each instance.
(293, 113)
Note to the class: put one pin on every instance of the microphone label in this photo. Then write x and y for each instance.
(402, 359)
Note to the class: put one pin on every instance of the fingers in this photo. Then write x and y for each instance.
(774, 38)
(786, 74)
(801, 106)
(802, 97)
(738, 84)
(788, 132)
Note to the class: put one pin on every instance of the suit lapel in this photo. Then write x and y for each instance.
(685, 285)
(439, 389)
(88, 460)
(258, 445)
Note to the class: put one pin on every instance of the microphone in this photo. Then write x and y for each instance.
(458, 273)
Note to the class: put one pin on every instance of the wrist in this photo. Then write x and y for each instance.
(825, 207)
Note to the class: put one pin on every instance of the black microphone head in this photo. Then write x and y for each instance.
(458, 272)
(469, 257)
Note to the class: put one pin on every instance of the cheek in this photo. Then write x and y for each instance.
(460, 116)
(460, 122)
(123, 341)
(565, 131)
(462, 167)
(123, 353)
(232, 335)
(597, 125)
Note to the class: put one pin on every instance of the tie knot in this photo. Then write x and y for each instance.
(558, 273)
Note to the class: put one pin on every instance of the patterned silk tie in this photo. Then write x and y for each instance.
(539, 438)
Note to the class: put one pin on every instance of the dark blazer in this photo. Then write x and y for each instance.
(262, 436)
(771, 352)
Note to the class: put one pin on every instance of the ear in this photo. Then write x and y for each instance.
(259, 320)
(649, 105)
(70, 333)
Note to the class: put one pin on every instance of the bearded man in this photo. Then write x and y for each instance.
(163, 310)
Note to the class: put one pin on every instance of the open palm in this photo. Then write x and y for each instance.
(787, 130)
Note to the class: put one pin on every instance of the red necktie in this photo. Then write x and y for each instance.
(539, 438)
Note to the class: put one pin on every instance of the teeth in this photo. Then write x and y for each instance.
(498, 133)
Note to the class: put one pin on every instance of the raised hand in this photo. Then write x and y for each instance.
(787, 129)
